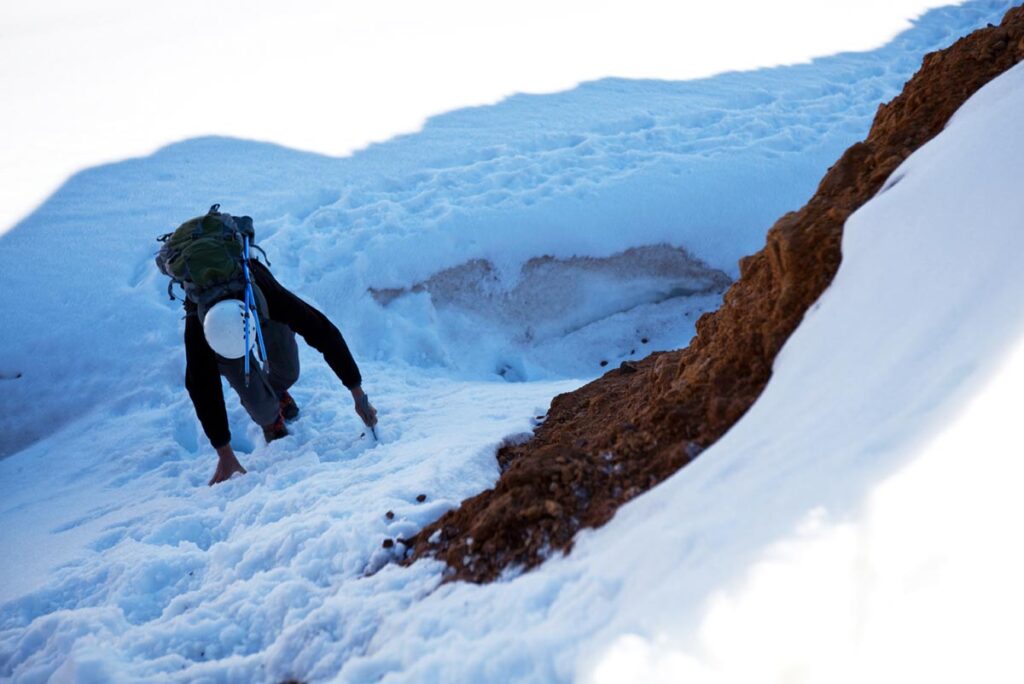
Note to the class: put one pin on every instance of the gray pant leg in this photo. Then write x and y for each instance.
(260, 399)
(284, 355)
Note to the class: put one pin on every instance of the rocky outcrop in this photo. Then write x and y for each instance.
(618, 436)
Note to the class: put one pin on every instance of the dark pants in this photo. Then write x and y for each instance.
(266, 387)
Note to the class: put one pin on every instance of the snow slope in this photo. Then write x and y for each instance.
(894, 484)
(605, 167)
(120, 565)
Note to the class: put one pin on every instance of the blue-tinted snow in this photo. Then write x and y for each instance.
(121, 564)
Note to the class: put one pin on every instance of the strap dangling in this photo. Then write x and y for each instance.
(265, 257)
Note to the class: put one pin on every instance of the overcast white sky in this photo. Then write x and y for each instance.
(90, 83)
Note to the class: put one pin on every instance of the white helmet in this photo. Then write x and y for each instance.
(224, 326)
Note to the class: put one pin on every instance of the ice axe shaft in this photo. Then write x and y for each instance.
(251, 314)
(364, 413)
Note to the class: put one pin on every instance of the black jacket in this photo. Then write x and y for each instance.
(202, 378)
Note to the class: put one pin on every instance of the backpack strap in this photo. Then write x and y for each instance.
(170, 288)
(265, 257)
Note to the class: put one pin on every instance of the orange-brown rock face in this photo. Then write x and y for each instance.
(623, 433)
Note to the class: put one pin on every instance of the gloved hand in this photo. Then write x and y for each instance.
(364, 408)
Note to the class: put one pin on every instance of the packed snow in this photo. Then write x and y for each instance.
(779, 553)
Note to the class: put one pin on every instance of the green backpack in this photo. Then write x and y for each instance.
(204, 256)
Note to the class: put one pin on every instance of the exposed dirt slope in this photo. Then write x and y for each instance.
(625, 432)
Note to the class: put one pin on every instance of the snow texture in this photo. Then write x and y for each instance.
(608, 166)
(113, 79)
(119, 564)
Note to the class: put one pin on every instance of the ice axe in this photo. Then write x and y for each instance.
(366, 413)
(251, 314)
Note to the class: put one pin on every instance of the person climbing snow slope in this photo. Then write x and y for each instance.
(234, 308)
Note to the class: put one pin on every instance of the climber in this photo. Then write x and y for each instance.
(226, 291)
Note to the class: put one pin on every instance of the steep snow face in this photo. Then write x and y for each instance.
(857, 524)
(119, 564)
(869, 538)
(897, 471)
